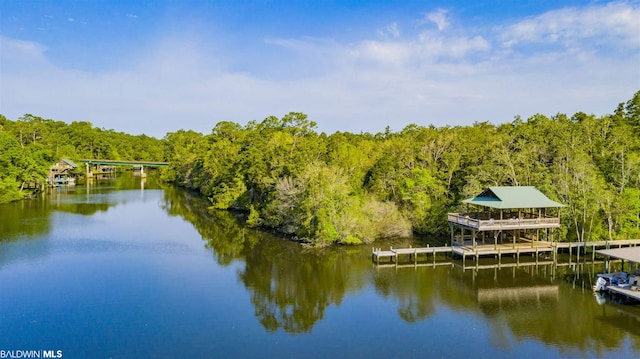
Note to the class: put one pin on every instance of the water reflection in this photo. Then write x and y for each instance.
(222, 232)
(32, 218)
(24, 219)
(32, 221)
(413, 290)
(291, 289)
(519, 303)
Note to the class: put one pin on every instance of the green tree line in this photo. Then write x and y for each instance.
(31, 144)
(356, 188)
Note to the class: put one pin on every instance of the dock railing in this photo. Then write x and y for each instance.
(512, 223)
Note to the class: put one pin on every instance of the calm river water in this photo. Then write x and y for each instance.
(113, 270)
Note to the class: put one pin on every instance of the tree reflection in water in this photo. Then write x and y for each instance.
(222, 232)
(291, 287)
(413, 292)
(526, 303)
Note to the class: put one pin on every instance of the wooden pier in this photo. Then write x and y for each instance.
(582, 246)
(497, 251)
(629, 293)
(534, 249)
(454, 263)
(411, 253)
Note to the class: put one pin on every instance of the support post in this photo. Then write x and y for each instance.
(452, 233)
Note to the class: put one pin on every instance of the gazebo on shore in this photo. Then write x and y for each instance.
(505, 214)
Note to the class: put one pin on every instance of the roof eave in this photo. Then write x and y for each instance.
(501, 205)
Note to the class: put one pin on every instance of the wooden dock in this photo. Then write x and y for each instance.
(535, 249)
(497, 251)
(600, 244)
(475, 266)
(629, 293)
(582, 246)
(410, 253)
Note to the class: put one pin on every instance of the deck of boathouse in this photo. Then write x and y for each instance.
(484, 222)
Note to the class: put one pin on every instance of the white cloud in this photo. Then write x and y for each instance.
(391, 30)
(70, 19)
(14, 49)
(435, 46)
(132, 16)
(386, 53)
(452, 77)
(614, 23)
(302, 45)
(439, 18)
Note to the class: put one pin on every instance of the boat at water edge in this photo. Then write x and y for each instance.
(619, 279)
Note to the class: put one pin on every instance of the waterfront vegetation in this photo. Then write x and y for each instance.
(356, 188)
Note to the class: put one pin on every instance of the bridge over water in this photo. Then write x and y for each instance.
(92, 163)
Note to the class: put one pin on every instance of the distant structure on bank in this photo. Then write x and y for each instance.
(61, 172)
(505, 215)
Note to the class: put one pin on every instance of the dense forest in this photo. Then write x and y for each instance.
(355, 188)
(30, 145)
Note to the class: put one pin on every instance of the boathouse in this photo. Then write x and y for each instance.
(503, 221)
(61, 171)
(504, 214)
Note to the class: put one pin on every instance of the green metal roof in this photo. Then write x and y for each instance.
(124, 163)
(70, 163)
(504, 197)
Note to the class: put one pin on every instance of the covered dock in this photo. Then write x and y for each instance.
(629, 254)
(505, 214)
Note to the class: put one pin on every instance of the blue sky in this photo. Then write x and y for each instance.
(158, 66)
